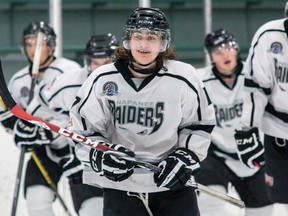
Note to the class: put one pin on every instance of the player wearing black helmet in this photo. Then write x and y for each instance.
(39, 197)
(100, 50)
(152, 107)
(224, 81)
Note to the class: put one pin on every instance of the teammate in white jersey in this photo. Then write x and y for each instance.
(38, 195)
(150, 106)
(266, 107)
(224, 81)
(87, 199)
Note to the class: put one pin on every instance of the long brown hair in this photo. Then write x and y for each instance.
(169, 54)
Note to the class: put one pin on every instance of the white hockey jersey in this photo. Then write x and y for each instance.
(228, 102)
(20, 85)
(169, 109)
(266, 104)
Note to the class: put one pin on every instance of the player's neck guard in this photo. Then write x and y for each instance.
(143, 71)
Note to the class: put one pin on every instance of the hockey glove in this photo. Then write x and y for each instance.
(72, 168)
(29, 135)
(250, 149)
(111, 166)
(8, 120)
(177, 169)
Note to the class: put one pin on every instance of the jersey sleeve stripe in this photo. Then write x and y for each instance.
(280, 115)
(60, 90)
(251, 84)
(256, 43)
(190, 85)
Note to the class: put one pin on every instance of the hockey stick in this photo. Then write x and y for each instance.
(20, 113)
(35, 69)
(34, 77)
(49, 181)
(36, 64)
(19, 173)
(18, 181)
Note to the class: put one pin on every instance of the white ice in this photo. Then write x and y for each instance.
(9, 156)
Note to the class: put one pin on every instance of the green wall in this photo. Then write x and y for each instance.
(82, 18)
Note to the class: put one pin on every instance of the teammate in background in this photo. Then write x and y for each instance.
(224, 81)
(39, 197)
(88, 200)
(265, 107)
(150, 106)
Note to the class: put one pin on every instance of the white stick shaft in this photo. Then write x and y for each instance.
(37, 54)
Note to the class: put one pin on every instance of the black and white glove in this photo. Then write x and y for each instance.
(250, 149)
(8, 120)
(111, 166)
(177, 169)
(30, 136)
(72, 168)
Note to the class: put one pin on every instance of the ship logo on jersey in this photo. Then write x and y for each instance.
(24, 92)
(276, 47)
(110, 89)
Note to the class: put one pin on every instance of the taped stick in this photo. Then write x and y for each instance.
(20, 113)
(36, 64)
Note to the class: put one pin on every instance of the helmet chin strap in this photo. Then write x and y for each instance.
(141, 70)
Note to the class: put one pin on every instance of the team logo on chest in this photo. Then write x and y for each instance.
(276, 48)
(24, 92)
(110, 89)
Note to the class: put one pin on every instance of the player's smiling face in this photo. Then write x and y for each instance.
(145, 46)
(225, 58)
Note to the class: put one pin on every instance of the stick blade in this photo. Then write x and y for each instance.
(4, 92)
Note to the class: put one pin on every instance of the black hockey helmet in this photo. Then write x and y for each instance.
(33, 28)
(219, 38)
(101, 46)
(286, 10)
(149, 19)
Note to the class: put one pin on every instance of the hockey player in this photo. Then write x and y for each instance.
(150, 106)
(224, 81)
(88, 200)
(265, 107)
(38, 195)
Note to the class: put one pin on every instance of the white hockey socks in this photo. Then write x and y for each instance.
(92, 206)
(39, 201)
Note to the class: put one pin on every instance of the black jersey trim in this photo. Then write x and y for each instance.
(251, 84)
(58, 69)
(122, 67)
(206, 128)
(41, 96)
(256, 43)
(190, 85)
(35, 110)
(252, 109)
(280, 115)
(214, 148)
(66, 87)
(238, 71)
(95, 80)
(23, 75)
